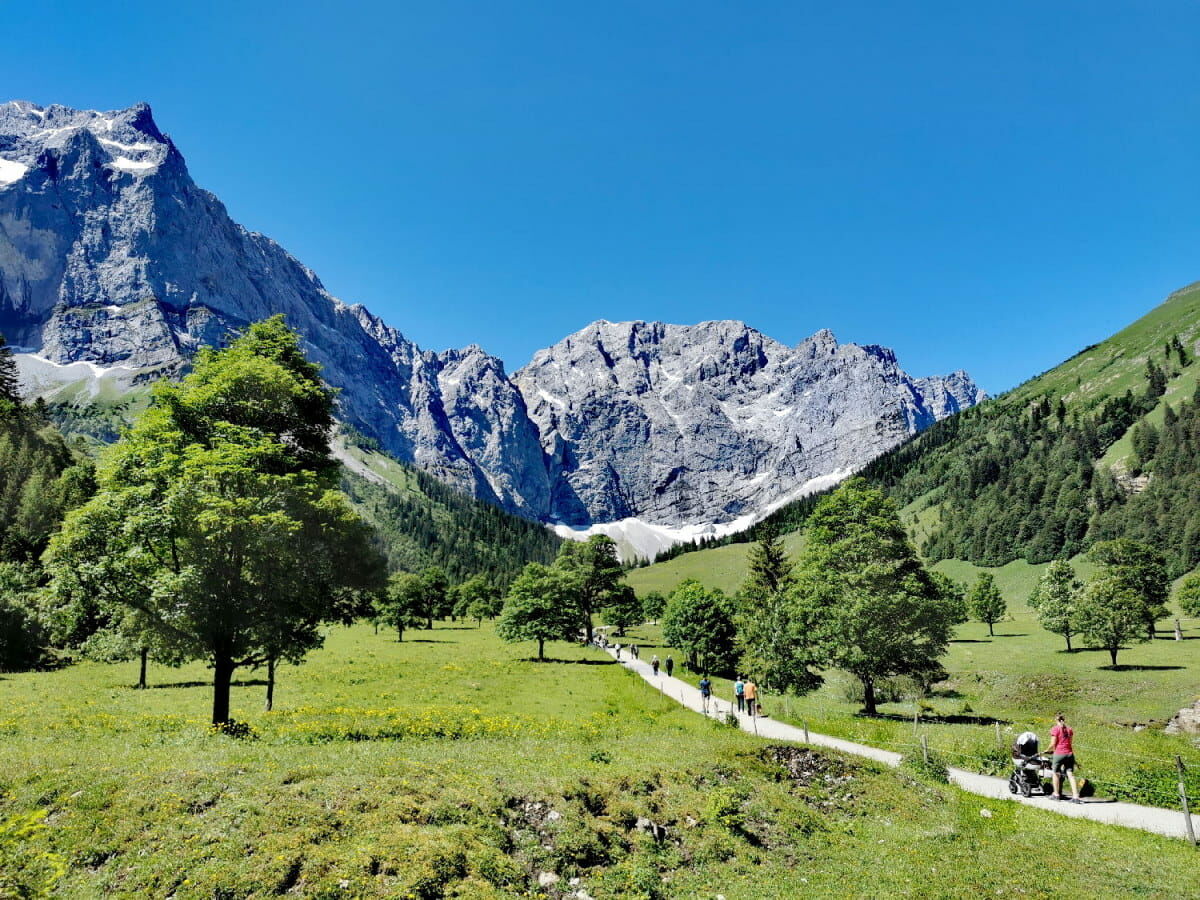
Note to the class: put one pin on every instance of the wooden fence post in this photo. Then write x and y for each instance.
(805, 724)
(925, 749)
(1183, 798)
(999, 739)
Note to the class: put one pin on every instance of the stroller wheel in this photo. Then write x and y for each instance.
(1026, 789)
(1047, 788)
(1012, 785)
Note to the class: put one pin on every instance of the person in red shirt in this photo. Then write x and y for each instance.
(1063, 758)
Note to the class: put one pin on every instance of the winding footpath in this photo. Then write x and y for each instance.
(1128, 815)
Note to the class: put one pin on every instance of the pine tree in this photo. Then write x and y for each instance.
(10, 378)
(769, 568)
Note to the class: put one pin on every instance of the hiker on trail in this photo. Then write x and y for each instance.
(705, 693)
(618, 646)
(654, 664)
(1062, 759)
(633, 651)
(739, 693)
(751, 691)
(670, 666)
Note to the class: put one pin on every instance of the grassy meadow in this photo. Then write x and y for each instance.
(452, 765)
(1018, 678)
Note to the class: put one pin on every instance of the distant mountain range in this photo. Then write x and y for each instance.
(115, 267)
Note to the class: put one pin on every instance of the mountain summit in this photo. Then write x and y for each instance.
(115, 267)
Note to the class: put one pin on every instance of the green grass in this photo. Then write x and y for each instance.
(1119, 363)
(1181, 387)
(453, 766)
(718, 567)
(1021, 677)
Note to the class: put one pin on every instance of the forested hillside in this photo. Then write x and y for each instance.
(420, 522)
(40, 475)
(1105, 445)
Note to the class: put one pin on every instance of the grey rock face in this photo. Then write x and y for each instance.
(111, 255)
(680, 424)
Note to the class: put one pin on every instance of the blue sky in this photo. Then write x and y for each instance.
(987, 186)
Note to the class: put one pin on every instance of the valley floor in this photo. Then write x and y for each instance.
(451, 765)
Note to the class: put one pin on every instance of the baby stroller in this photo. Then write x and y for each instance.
(1030, 770)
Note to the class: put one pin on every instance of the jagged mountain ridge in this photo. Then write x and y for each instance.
(113, 262)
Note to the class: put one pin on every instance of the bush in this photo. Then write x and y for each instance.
(723, 807)
(933, 770)
(22, 637)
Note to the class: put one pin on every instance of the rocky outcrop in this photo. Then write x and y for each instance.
(680, 424)
(116, 267)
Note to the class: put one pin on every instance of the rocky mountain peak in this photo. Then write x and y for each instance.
(115, 267)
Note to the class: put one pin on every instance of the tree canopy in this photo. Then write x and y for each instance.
(986, 602)
(700, 622)
(875, 610)
(216, 520)
(542, 605)
(1055, 598)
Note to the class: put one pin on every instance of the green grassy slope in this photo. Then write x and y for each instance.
(1118, 363)
(452, 766)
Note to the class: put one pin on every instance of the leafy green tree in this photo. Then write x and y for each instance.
(654, 604)
(1111, 614)
(1055, 598)
(436, 602)
(986, 602)
(542, 605)
(1187, 595)
(624, 609)
(1143, 570)
(23, 636)
(954, 594)
(875, 609)
(216, 519)
(482, 599)
(594, 565)
(405, 603)
(700, 623)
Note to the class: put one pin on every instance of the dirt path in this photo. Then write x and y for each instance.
(1128, 815)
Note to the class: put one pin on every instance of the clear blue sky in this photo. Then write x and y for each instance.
(988, 186)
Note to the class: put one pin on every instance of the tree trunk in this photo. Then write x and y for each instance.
(145, 654)
(222, 674)
(1112, 651)
(868, 696)
(399, 633)
(377, 628)
(1068, 636)
(588, 620)
(991, 633)
(270, 683)
(541, 649)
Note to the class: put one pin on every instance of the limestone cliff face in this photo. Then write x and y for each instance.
(111, 256)
(705, 423)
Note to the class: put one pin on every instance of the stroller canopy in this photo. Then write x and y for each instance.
(1026, 744)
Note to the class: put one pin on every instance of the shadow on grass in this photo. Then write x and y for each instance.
(249, 682)
(573, 662)
(424, 641)
(1014, 634)
(1122, 667)
(936, 719)
(971, 640)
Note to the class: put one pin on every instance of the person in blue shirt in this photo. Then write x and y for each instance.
(739, 693)
(705, 693)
